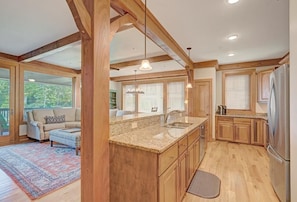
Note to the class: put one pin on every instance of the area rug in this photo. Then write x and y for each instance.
(39, 169)
(205, 185)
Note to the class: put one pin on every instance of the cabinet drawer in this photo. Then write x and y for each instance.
(167, 158)
(224, 118)
(182, 145)
(242, 120)
(193, 136)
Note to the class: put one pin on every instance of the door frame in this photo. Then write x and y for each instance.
(211, 115)
(11, 138)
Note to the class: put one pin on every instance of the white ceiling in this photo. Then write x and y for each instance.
(262, 27)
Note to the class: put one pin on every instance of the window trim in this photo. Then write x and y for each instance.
(252, 102)
(165, 82)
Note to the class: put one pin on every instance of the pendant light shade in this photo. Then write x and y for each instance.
(145, 64)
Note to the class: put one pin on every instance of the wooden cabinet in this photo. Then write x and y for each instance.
(242, 130)
(224, 128)
(257, 137)
(168, 184)
(263, 85)
(233, 129)
(140, 175)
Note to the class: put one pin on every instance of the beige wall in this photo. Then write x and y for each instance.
(293, 97)
(209, 73)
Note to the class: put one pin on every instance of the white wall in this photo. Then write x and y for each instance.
(209, 73)
(117, 86)
(293, 97)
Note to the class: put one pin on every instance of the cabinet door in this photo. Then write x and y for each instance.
(191, 162)
(197, 154)
(225, 130)
(264, 85)
(183, 178)
(242, 132)
(168, 184)
(257, 132)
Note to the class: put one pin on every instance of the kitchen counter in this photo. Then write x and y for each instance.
(256, 116)
(156, 138)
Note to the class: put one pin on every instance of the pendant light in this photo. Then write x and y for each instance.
(189, 84)
(145, 64)
(135, 90)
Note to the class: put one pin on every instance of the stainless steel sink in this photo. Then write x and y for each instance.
(178, 125)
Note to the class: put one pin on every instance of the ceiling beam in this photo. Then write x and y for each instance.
(122, 65)
(285, 59)
(155, 31)
(209, 63)
(61, 44)
(81, 17)
(156, 75)
(8, 56)
(259, 63)
(115, 25)
(55, 46)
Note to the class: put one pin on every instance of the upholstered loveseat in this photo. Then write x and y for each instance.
(41, 121)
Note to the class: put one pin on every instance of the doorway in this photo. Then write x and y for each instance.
(203, 104)
(7, 100)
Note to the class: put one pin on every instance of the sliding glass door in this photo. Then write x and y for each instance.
(6, 104)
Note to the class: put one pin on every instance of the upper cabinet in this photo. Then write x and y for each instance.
(264, 85)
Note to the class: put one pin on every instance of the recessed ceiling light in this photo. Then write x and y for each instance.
(31, 80)
(232, 1)
(231, 54)
(232, 37)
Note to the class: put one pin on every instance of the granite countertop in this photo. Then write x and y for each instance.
(119, 119)
(256, 116)
(156, 138)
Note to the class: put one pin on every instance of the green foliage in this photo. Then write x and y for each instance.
(4, 93)
(40, 95)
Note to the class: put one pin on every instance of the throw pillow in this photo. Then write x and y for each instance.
(54, 119)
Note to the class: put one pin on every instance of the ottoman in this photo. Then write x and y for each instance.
(70, 137)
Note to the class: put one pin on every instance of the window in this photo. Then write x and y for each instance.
(153, 97)
(160, 95)
(239, 91)
(46, 91)
(176, 96)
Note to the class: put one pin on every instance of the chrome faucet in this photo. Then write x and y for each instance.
(171, 113)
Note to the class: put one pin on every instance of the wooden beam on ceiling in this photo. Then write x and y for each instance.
(156, 75)
(81, 16)
(55, 46)
(8, 56)
(209, 63)
(122, 65)
(259, 63)
(285, 59)
(60, 44)
(116, 24)
(155, 31)
(55, 68)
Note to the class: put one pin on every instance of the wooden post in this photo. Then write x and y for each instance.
(93, 20)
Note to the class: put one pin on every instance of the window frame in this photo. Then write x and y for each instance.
(165, 82)
(252, 90)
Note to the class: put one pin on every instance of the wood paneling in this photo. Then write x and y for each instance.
(155, 31)
(260, 63)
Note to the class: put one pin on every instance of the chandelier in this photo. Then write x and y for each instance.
(135, 90)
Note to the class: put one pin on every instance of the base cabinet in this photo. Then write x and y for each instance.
(138, 175)
(225, 128)
(242, 130)
(168, 184)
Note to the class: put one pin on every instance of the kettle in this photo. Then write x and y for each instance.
(222, 110)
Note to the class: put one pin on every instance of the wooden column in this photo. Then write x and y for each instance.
(93, 20)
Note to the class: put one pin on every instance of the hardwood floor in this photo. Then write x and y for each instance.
(243, 170)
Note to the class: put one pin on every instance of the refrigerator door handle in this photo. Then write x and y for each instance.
(273, 154)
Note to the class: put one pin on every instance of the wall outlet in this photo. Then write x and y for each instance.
(134, 125)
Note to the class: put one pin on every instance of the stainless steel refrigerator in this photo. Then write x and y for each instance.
(279, 132)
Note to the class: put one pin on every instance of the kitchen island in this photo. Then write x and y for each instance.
(155, 163)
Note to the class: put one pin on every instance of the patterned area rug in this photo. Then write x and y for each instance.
(39, 169)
